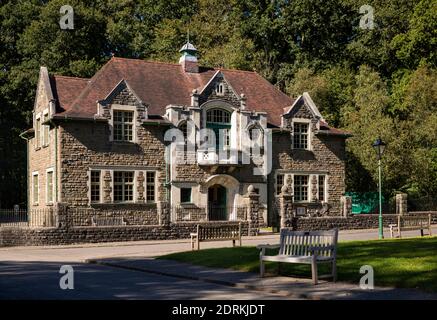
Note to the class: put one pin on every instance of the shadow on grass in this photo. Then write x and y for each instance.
(401, 263)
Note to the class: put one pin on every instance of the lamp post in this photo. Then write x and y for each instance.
(379, 147)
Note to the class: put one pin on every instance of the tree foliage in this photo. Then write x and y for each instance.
(372, 82)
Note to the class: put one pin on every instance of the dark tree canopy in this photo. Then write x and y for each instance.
(368, 81)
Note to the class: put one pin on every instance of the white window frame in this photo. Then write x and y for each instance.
(325, 193)
(45, 129)
(38, 131)
(276, 182)
(100, 185)
(154, 187)
(35, 174)
(136, 170)
(308, 188)
(310, 174)
(220, 89)
(123, 108)
(50, 170)
(123, 188)
(309, 134)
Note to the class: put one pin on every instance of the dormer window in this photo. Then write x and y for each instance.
(123, 125)
(300, 135)
(219, 89)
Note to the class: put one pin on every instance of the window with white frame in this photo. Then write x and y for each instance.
(219, 120)
(300, 188)
(46, 130)
(49, 186)
(300, 135)
(123, 123)
(322, 188)
(95, 186)
(279, 183)
(150, 186)
(35, 188)
(38, 131)
(219, 89)
(123, 186)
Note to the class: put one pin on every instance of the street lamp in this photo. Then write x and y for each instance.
(379, 147)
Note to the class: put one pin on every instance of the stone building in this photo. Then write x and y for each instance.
(132, 138)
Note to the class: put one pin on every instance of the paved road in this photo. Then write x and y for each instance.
(40, 280)
(82, 252)
(33, 272)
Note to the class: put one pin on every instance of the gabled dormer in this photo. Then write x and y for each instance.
(220, 89)
(303, 120)
(125, 112)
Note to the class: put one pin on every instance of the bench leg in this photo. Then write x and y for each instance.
(334, 271)
(233, 243)
(261, 268)
(314, 269)
(421, 232)
(198, 243)
(192, 243)
(391, 232)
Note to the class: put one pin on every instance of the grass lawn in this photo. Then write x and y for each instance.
(402, 263)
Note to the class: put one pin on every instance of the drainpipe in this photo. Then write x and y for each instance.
(167, 174)
(27, 170)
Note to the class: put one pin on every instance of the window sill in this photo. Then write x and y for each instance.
(49, 204)
(37, 148)
(121, 204)
(123, 142)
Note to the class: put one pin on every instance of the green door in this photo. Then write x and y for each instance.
(217, 210)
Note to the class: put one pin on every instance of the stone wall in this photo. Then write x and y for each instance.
(132, 214)
(363, 221)
(327, 155)
(65, 236)
(86, 144)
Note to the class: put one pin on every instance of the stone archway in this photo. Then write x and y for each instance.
(213, 189)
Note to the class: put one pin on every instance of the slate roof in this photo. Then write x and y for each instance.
(159, 84)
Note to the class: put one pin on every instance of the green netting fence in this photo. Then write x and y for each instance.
(365, 202)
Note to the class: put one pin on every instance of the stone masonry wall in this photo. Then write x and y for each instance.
(65, 236)
(327, 156)
(182, 230)
(43, 157)
(86, 144)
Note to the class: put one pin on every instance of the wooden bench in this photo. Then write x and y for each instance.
(307, 247)
(216, 233)
(108, 221)
(413, 222)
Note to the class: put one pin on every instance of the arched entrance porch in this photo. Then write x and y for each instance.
(221, 195)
